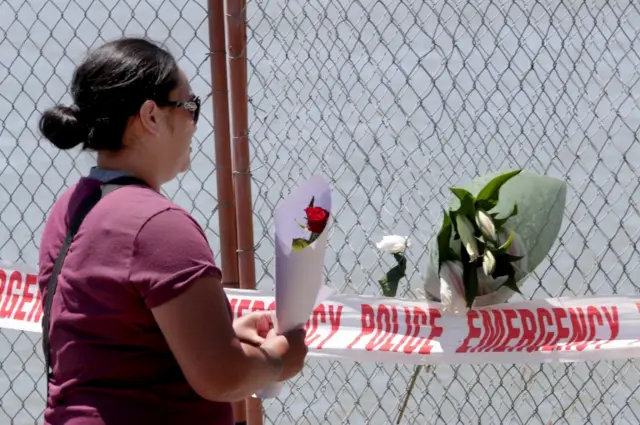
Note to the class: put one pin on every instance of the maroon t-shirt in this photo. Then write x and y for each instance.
(111, 364)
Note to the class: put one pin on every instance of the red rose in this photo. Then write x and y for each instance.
(316, 219)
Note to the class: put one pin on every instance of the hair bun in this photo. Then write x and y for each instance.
(61, 126)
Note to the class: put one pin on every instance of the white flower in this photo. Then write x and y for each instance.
(488, 262)
(393, 244)
(486, 225)
(490, 290)
(517, 248)
(465, 230)
(452, 287)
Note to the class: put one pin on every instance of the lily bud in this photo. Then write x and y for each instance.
(486, 225)
(465, 230)
(488, 262)
(452, 288)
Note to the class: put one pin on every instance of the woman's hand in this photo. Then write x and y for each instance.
(253, 328)
(290, 349)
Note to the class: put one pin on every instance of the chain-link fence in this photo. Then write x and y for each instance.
(393, 101)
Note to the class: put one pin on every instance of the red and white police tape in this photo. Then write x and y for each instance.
(370, 329)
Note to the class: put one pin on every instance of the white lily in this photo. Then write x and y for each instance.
(488, 262)
(486, 225)
(393, 244)
(465, 230)
(452, 287)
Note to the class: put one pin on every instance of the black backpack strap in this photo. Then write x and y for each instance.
(87, 204)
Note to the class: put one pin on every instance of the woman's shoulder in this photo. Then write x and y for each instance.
(125, 200)
(140, 204)
(121, 214)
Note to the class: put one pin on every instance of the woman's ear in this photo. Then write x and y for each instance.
(148, 116)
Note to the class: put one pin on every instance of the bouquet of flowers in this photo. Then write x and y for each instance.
(494, 235)
(300, 253)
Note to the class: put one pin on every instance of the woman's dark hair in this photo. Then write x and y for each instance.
(108, 88)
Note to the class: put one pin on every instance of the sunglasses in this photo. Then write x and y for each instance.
(192, 106)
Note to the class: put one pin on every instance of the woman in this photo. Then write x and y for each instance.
(140, 329)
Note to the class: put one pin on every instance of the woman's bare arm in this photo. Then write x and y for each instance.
(199, 331)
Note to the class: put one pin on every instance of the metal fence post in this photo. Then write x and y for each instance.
(238, 103)
(224, 177)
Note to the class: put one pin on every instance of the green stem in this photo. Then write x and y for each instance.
(414, 378)
(313, 237)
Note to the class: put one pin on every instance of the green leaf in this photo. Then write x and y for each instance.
(511, 280)
(299, 244)
(486, 204)
(505, 246)
(313, 198)
(467, 201)
(388, 290)
(401, 260)
(488, 197)
(469, 278)
(444, 238)
(503, 268)
(499, 222)
(511, 258)
(452, 216)
(389, 283)
(453, 255)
